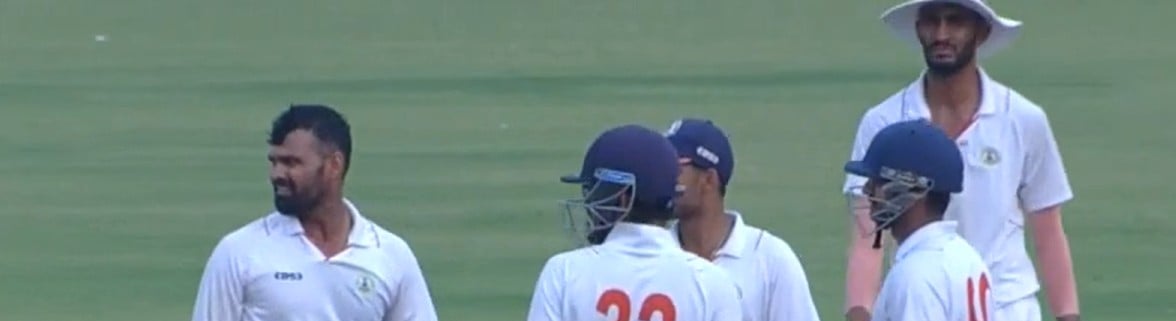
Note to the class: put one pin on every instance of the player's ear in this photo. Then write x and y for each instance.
(335, 163)
(983, 29)
(712, 179)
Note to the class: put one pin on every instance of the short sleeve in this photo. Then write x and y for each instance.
(413, 300)
(1044, 182)
(871, 123)
(220, 295)
(789, 296)
(546, 302)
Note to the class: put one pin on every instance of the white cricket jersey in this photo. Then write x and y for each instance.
(268, 271)
(1012, 164)
(936, 276)
(768, 273)
(638, 273)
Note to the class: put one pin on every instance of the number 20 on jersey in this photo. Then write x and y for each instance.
(619, 300)
(978, 289)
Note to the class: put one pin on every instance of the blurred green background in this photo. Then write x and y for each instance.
(124, 161)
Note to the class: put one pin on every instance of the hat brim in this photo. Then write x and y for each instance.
(901, 21)
(860, 168)
(572, 179)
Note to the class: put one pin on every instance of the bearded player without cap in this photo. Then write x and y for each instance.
(315, 258)
(633, 269)
(1014, 176)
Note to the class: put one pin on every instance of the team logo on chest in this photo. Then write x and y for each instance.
(989, 156)
(365, 284)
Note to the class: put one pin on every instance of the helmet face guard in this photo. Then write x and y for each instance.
(591, 216)
(888, 196)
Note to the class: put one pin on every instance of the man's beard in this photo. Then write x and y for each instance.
(299, 203)
(964, 56)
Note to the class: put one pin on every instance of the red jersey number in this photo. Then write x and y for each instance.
(654, 303)
(978, 292)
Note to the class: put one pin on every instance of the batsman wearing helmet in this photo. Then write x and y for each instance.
(912, 168)
(631, 268)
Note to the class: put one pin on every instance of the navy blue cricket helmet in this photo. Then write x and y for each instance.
(629, 160)
(907, 160)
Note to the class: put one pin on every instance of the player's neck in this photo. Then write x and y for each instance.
(704, 234)
(901, 230)
(955, 94)
(328, 226)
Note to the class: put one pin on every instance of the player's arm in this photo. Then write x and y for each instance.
(413, 300)
(1044, 187)
(219, 297)
(789, 297)
(546, 302)
(864, 265)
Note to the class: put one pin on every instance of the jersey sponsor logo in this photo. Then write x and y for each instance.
(288, 276)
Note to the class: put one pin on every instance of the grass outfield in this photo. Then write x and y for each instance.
(124, 161)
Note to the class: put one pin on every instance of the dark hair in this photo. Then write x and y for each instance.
(326, 124)
(937, 203)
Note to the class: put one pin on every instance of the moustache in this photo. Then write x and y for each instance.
(281, 182)
(939, 44)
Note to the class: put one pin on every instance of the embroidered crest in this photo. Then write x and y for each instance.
(989, 156)
(365, 284)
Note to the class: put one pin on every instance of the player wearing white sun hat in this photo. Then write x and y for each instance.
(1015, 177)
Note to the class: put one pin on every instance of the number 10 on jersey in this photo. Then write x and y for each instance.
(619, 300)
(978, 290)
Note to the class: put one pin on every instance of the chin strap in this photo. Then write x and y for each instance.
(878, 240)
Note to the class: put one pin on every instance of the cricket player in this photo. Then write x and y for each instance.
(316, 257)
(768, 272)
(912, 169)
(1015, 178)
(632, 270)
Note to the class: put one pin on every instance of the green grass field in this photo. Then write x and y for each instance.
(125, 161)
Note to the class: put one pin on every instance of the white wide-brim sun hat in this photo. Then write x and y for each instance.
(901, 21)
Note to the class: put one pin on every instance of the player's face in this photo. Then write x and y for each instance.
(950, 34)
(297, 173)
(690, 201)
(873, 190)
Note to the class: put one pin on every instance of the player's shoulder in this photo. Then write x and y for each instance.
(887, 111)
(922, 264)
(559, 266)
(1016, 105)
(894, 103)
(248, 235)
(388, 241)
(770, 246)
(958, 250)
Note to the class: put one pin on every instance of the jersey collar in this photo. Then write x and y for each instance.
(921, 238)
(735, 244)
(363, 233)
(915, 102)
(643, 237)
